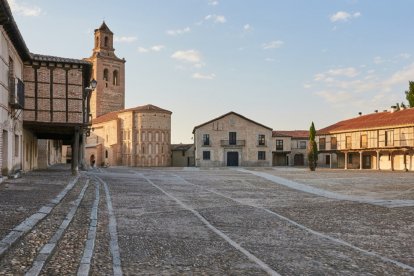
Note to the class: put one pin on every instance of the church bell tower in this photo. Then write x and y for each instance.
(109, 71)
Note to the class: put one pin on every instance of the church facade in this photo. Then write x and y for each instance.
(139, 136)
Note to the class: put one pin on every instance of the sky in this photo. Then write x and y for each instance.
(283, 64)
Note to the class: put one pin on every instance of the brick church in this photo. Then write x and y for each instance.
(139, 136)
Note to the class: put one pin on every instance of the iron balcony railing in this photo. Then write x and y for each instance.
(234, 143)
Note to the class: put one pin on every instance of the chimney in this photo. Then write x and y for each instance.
(376, 110)
(359, 113)
(393, 108)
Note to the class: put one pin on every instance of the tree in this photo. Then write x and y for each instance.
(409, 95)
(313, 149)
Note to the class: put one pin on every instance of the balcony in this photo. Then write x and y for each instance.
(16, 96)
(232, 143)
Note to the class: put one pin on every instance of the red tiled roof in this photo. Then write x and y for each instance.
(114, 115)
(147, 108)
(106, 118)
(229, 113)
(372, 121)
(291, 133)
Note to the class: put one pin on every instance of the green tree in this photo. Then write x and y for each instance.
(313, 149)
(409, 95)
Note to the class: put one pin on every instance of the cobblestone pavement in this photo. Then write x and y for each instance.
(170, 221)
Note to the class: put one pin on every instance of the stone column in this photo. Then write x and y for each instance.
(330, 160)
(405, 161)
(392, 160)
(346, 160)
(360, 160)
(378, 160)
(75, 152)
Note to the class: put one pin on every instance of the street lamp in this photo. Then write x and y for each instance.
(87, 93)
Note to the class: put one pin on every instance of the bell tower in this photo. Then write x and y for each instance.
(109, 71)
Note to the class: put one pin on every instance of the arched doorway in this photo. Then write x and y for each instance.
(92, 160)
(298, 160)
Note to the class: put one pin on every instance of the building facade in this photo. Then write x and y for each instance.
(139, 137)
(182, 155)
(290, 147)
(13, 53)
(232, 140)
(381, 140)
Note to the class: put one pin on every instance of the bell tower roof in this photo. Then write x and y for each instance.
(104, 28)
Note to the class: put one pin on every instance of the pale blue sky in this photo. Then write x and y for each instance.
(281, 63)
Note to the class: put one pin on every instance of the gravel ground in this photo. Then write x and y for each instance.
(17, 200)
(66, 257)
(224, 222)
(20, 257)
(285, 247)
(102, 259)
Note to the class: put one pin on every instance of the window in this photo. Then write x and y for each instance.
(232, 138)
(206, 155)
(364, 141)
(106, 41)
(334, 143)
(302, 144)
(322, 143)
(348, 142)
(262, 140)
(105, 75)
(106, 154)
(279, 144)
(11, 78)
(16, 145)
(389, 138)
(115, 77)
(261, 155)
(206, 139)
(97, 42)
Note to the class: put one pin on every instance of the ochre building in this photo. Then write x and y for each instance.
(381, 140)
(139, 136)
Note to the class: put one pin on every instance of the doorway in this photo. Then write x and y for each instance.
(298, 160)
(92, 160)
(232, 159)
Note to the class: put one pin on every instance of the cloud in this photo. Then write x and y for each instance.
(328, 76)
(342, 16)
(404, 55)
(125, 39)
(213, 2)
(203, 76)
(247, 28)
(191, 56)
(24, 9)
(178, 31)
(155, 48)
(361, 89)
(378, 60)
(272, 44)
(216, 18)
